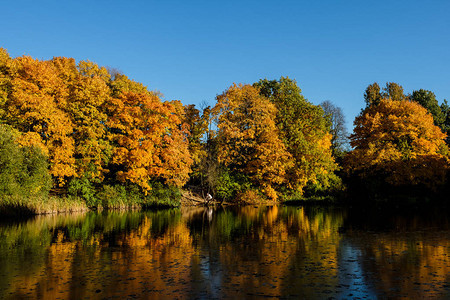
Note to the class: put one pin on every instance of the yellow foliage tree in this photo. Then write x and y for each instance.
(248, 138)
(36, 106)
(91, 122)
(305, 132)
(151, 143)
(398, 141)
(89, 93)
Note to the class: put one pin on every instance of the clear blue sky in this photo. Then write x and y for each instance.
(194, 50)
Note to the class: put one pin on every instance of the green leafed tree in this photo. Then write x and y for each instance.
(305, 132)
(23, 169)
(428, 100)
(372, 95)
(393, 91)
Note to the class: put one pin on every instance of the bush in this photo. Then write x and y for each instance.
(327, 185)
(249, 196)
(230, 185)
(23, 170)
(163, 195)
(83, 188)
(112, 196)
(131, 195)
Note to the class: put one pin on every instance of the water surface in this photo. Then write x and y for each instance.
(246, 252)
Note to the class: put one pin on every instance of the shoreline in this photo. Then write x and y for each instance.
(54, 205)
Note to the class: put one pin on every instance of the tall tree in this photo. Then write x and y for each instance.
(150, 138)
(372, 95)
(428, 100)
(36, 105)
(398, 141)
(338, 129)
(445, 109)
(198, 125)
(248, 140)
(5, 81)
(393, 91)
(304, 130)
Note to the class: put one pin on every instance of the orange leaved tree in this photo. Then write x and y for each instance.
(397, 141)
(36, 106)
(150, 140)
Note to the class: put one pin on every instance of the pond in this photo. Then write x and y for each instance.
(238, 252)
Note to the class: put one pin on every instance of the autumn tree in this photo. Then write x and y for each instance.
(398, 142)
(372, 95)
(89, 94)
(150, 140)
(393, 91)
(305, 132)
(248, 139)
(198, 125)
(95, 129)
(5, 81)
(36, 105)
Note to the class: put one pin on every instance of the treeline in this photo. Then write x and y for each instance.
(105, 138)
(81, 130)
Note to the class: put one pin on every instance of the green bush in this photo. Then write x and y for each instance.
(229, 185)
(83, 188)
(23, 170)
(163, 195)
(112, 196)
(131, 195)
(325, 186)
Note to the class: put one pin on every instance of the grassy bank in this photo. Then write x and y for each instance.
(18, 206)
(107, 198)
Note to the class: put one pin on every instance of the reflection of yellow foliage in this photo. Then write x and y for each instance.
(423, 261)
(281, 242)
(285, 251)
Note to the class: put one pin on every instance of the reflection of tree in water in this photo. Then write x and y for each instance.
(235, 252)
(55, 255)
(404, 254)
(270, 250)
(413, 265)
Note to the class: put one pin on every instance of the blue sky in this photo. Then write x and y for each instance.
(194, 50)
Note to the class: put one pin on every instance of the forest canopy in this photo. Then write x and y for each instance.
(89, 131)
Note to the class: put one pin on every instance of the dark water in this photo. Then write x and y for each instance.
(247, 252)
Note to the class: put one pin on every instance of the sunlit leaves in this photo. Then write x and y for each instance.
(150, 140)
(93, 126)
(37, 104)
(303, 130)
(399, 139)
(248, 140)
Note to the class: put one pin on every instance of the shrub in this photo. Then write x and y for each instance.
(23, 170)
(163, 195)
(229, 185)
(83, 188)
(112, 196)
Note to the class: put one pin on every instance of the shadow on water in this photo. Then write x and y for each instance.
(282, 252)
